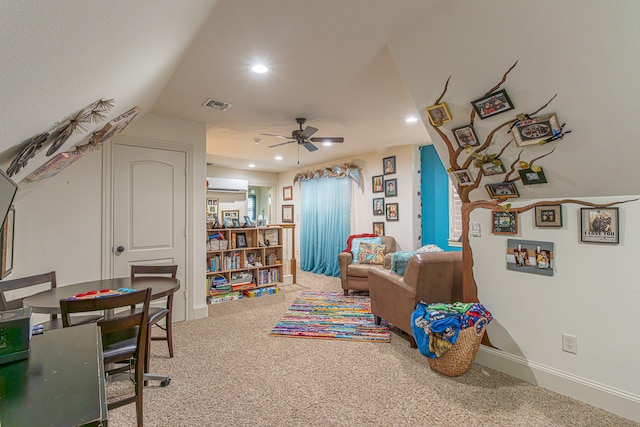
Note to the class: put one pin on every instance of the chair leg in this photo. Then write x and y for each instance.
(139, 390)
(378, 319)
(346, 292)
(169, 330)
(412, 342)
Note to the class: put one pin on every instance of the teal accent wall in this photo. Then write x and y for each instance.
(435, 200)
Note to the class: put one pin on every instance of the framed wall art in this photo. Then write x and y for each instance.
(438, 114)
(7, 243)
(378, 228)
(529, 176)
(548, 216)
(465, 136)
(377, 184)
(464, 177)
(528, 256)
(231, 214)
(378, 206)
(287, 193)
(392, 211)
(391, 187)
(389, 165)
(599, 225)
(502, 190)
(287, 213)
(504, 222)
(495, 103)
(491, 168)
(536, 130)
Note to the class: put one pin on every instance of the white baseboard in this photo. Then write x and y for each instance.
(602, 396)
(200, 311)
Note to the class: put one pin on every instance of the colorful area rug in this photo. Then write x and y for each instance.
(333, 316)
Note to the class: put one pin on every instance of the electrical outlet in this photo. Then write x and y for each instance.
(570, 343)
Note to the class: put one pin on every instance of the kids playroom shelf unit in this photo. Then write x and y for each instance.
(243, 260)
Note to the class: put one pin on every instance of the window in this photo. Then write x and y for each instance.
(251, 206)
(455, 215)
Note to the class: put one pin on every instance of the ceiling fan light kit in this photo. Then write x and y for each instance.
(303, 137)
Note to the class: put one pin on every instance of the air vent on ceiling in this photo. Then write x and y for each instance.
(217, 105)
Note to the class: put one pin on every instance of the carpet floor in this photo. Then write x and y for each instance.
(228, 371)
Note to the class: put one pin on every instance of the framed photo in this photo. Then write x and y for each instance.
(530, 176)
(504, 222)
(287, 213)
(549, 216)
(227, 223)
(438, 114)
(248, 222)
(496, 103)
(530, 256)
(389, 165)
(522, 257)
(236, 222)
(464, 177)
(502, 190)
(491, 168)
(599, 225)
(378, 206)
(378, 228)
(377, 184)
(7, 243)
(231, 214)
(466, 136)
(287, 193)
(536, 130)
(392, 211)
(390, 187)
(241, 240)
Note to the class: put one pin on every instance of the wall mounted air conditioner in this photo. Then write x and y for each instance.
(228, 185)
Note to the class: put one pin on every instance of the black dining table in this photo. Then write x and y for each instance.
(48, 301)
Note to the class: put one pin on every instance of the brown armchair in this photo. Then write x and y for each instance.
(429, 277)
(356, 276)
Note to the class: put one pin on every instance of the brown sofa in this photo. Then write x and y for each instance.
(429, 277)
(356, 276)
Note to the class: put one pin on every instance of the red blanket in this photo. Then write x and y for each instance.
(356, 236)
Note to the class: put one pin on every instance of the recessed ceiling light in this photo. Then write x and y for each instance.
(251, 165)
(259, 68)
(278, 157)
(411, 119)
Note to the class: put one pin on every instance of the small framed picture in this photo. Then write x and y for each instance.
(378, 206)
(496, 103)
(389, 165)
(236, 222)
(438, 114)
(377, 184)
(522, 257)
(227, 222)
(599, 225)
(231, 214)
(392, 211)
(464, 177)
(241, 240)
(248, 222)
(530, 176)
(378, 228)
(491, 168)
(390, 187)
(287, 213)
(287, 193)
(466, 136)
(505, 222)
(502, 190)
(548, 216)
(536, 130)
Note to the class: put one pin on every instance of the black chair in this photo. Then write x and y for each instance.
(156, 314)
(35, 283)
(124, 337)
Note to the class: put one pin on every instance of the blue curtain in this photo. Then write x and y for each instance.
(325, 223)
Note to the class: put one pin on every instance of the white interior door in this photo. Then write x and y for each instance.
(149, 204)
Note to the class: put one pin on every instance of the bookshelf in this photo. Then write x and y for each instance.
(243, 262)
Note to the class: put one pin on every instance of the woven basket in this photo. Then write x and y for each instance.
(460, 357)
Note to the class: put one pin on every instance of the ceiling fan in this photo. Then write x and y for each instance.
(303, 137)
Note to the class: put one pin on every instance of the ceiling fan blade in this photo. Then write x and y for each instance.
(332, 139)
(309, 146)
(308, 131)
(277, 136)
(282, 143)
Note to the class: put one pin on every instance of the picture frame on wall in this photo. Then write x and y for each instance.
(391, 187)
(287, 213)
(465, 136)
(495, 103)
(529, 176)
(535, 130)
(504, 222)
(231, 214)
(438, 114)
(464, 177)
(378, 206)
(548, 216)
(378, 228)
(391, 211)
(599, 225)
(389, 165)
(377, 184)
(287, 193)
(502, 190)
(491, 168)
(7, 243)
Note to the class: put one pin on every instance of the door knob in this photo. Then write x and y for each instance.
(120, 249)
